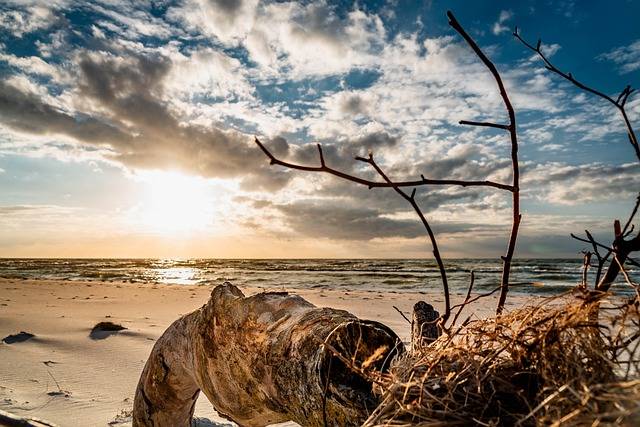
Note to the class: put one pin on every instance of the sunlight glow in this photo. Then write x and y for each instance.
(175, 203)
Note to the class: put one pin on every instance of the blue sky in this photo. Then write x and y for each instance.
(126, 127)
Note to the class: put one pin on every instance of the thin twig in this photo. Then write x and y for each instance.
(484, 124)
(434, 244)
(619, 103)
(402, 314)
(515, 187)
(585, 268)
(466, 299)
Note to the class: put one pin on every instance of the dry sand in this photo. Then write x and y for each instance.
(64, 375)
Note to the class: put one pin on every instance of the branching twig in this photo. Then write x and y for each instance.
(622, 249)
(466, 299)
(376, 184)
(511, 128)
(434, 244)
(595, 245)
(619, 102)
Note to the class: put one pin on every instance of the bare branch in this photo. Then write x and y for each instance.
(504, 282)
(434, 244)
(321, 156)
(568, 76)
(619, 103)
(590, 240)
(621, 248)
(484, 124)
(376, 184)
(477, 297)
(402, 314)
(633, 214)
(466, 299)
(585, 268)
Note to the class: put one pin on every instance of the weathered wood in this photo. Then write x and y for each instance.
(11, 420)
(424, 329)
(261, 360)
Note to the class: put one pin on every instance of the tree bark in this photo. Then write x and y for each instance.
(261, 360)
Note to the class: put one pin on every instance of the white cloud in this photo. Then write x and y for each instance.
(626, 57)
(499, 26)
(34, 65)
(209, 72)
(228, 20)
(33, 17)
(288, 37)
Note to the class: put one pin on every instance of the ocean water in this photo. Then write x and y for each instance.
(530, 276)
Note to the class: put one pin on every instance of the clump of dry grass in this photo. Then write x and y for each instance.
(572, 361)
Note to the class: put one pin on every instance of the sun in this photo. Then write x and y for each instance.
(175, 203)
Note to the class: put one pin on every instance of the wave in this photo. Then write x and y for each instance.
(541, 276)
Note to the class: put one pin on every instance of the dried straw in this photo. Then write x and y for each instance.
(570, 360)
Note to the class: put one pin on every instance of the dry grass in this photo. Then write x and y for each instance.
(570, 360)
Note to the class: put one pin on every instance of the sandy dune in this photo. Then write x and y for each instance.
(67, 374)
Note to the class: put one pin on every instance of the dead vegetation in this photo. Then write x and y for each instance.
(570, 360)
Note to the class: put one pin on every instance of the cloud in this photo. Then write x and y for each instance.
(188, 89)
(131, 20)
(206, 71)
(28, 113)
(498, 26)
(33, 17)
(626, 57)
(124, 110)
(288, 37)
(346, 219)
(33, 65)
(565, 184)
(227, 20)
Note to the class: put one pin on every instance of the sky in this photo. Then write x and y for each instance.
(126, 127)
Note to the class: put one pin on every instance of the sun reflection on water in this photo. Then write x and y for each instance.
(177, 275)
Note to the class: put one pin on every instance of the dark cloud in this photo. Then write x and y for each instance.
(139, 125)
(230, 7)
(344, 219)
(17, 209)
(574, 184)
(28, 113)
(332, 221)
(353, 104)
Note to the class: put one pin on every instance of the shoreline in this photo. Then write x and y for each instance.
(64, 375)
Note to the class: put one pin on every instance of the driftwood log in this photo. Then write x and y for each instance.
(264, 359)
(11, 420)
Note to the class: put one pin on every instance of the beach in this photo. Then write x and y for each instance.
(65, 376)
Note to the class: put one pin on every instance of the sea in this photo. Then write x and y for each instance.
(528, 276)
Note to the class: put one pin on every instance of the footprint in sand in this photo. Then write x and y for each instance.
(22, 336)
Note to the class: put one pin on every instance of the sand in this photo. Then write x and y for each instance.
(70, 375)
